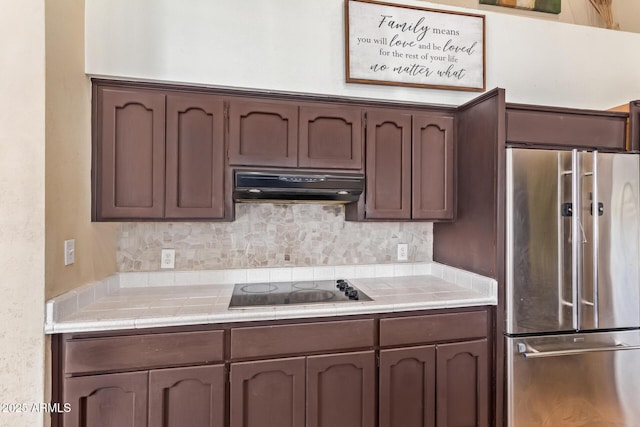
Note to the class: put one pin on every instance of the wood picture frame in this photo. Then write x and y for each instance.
(401, 45)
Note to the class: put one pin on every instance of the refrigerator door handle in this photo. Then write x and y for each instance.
(583, 240)
(596, 234)
(535, 354)
(576, 243)
(566, 211)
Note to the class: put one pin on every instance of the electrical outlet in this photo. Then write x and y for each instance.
(168, 258)
(69, 251)
(403, 251)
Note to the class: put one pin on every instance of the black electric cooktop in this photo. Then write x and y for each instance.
(287, 293)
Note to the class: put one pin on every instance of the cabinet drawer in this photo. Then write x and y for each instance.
(90, 355)
(301, 338)
(433, 328)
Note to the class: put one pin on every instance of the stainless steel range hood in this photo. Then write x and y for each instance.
(296, 187)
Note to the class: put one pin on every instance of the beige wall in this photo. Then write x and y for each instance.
(68, 157)
(22, 145)
(68, 164)
(578, 12)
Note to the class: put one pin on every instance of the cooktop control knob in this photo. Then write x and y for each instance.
(341, 284)
(347, 290)
(352, 294)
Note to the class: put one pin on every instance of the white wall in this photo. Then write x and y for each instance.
(298, 46)
(22, 146)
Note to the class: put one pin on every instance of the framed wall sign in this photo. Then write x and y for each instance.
(403, 45)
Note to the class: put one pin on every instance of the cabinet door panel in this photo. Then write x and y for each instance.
(388, 165)
(195, 157)
(268, 393)
(408, 387)
(263, 134)
(330, 137)
(433, 167)
(131, 155)
(115, 400)
(191, 396)
(462, 384)
(341, 390)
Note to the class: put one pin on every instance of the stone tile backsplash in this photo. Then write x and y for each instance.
(272, 235)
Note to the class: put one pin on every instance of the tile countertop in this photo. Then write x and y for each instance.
(158, 299)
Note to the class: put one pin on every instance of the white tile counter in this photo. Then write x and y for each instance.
(144, 300)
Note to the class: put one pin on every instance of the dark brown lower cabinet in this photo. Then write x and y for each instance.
(462, 393)
(112, 400)
(433, 371)
(443, 385)
(268, 393)
(336, 390)
(191, 396)
(341, 390)
(408, 387)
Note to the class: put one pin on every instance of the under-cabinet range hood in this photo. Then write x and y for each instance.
(296, 187)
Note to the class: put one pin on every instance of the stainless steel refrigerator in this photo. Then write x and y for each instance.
(573, 288)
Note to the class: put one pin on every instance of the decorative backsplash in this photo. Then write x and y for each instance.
(272, 235)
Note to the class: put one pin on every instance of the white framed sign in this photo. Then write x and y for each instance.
(410, 46)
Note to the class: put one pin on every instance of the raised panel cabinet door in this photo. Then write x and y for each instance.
(462, 392)
(433, 167)
(341, 390)
(113, 400)
(330, 137)
(388, 165)
(407, 395)
(263, 133)
(192, 396)
(195, 157)
(268, 393)
(129, 154)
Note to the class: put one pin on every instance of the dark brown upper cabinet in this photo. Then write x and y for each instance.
(409, 166)
(330, 137)
(129, 153)
(195, 157)
(157, 155)
(432, 167)
(388, 176)
(290, 134)
(554, 127)
(263, 133)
